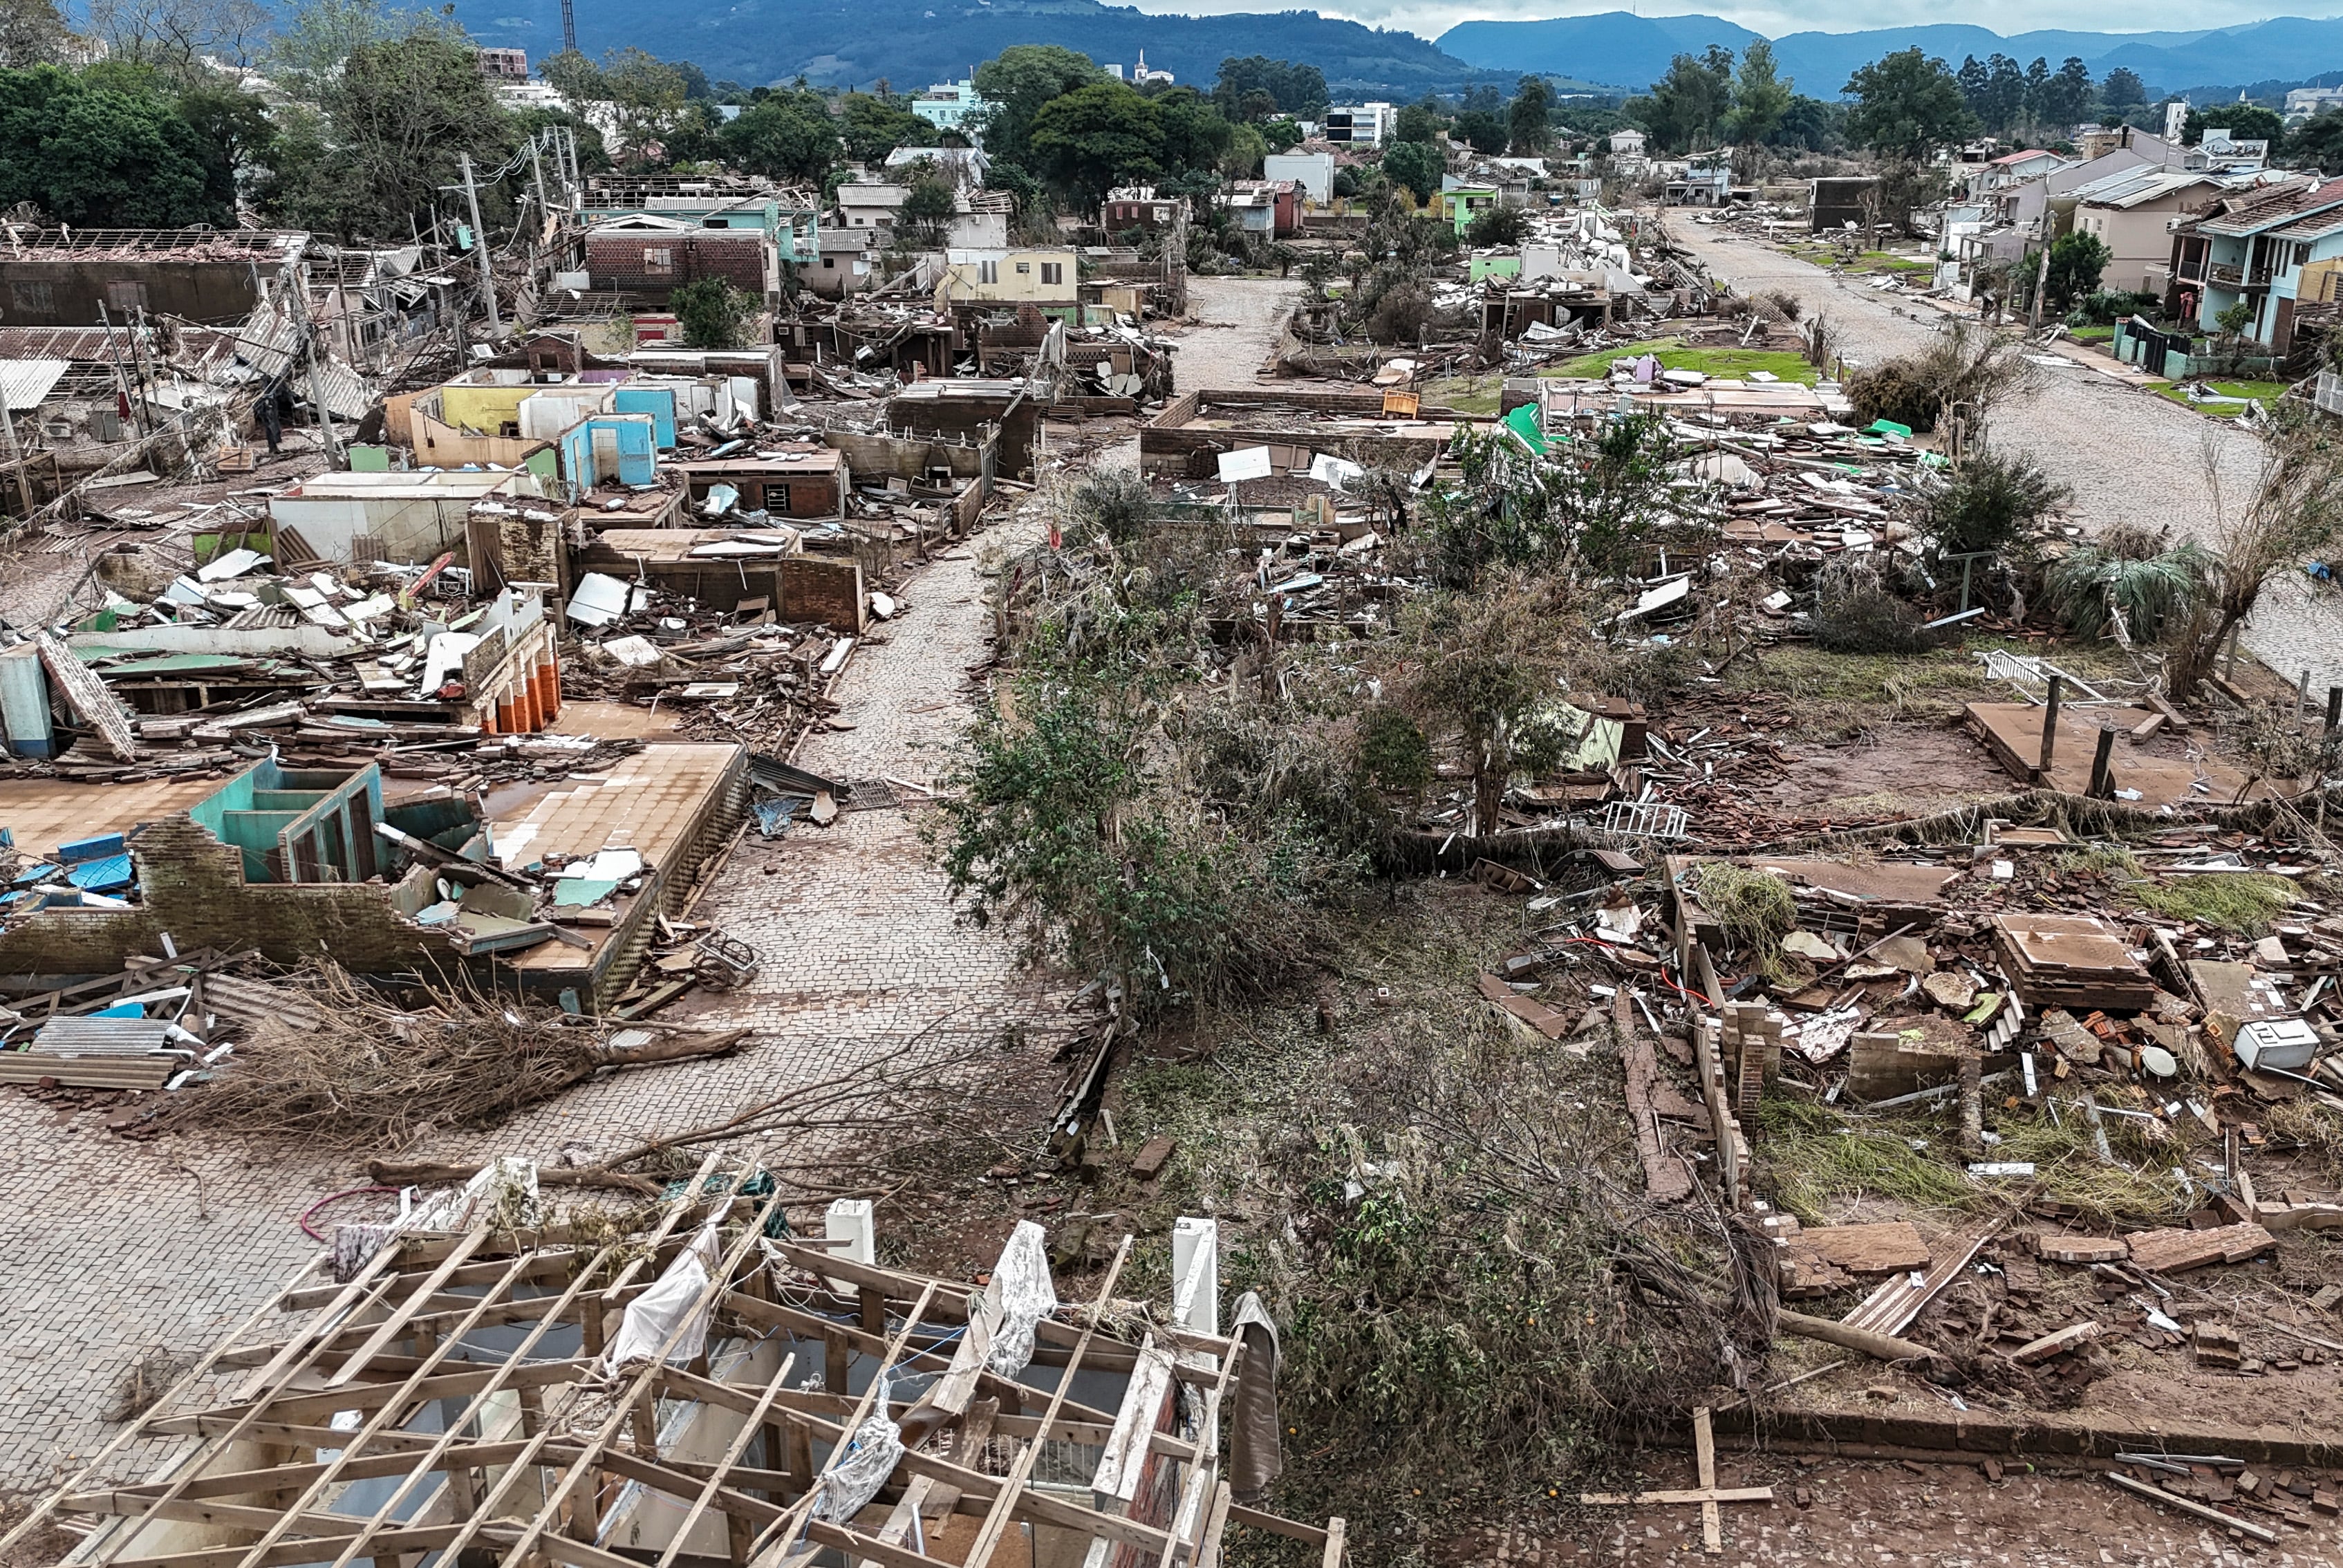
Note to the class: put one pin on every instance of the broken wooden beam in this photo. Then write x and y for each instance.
(1885, 1347)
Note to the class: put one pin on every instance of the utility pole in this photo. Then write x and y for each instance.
(2041, 282)
(480, 250)
(316, 381)
(121, 375)
(14, 455)
(537, 168)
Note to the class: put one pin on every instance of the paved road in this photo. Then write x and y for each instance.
(2128, 455)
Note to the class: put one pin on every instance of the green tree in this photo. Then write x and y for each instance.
(1482, 130)
(1761, 97)
(1907, 103)
(96, 156)
(2317, 142)
(1688, 103)
(2005, 94)
(1279, 134)
(1976, 86)
(2066, 100)
(1418, 122)
(232, 129)
(2037, 90)
(1195, 137)
(1290, 89)
(930, 205)
(1527, 119)
(31, 32)
(1808, 124)
(391, 124)
(2244, 122)
(1018, 82)
(2076, 260)
(784, 137)
(652, 99)
(2122, 88)
(1417, 166)
(874, 127)
(306, 53)
(1088, 141)
(577, 79)
(711, 312)
(1498, 225)
(1247, 148)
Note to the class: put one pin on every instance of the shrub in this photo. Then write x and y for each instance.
(1866, 618)
(2133, 570)
(1498, 225)
(1992, 501)
(1965, 367)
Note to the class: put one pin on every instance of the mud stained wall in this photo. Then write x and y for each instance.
(195, 888)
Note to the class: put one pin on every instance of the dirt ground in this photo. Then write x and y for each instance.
(1869, 1512)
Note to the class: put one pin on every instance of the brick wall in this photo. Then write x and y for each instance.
(195, 888)
(634, 261)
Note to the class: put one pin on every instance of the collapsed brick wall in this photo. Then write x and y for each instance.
(193, 888)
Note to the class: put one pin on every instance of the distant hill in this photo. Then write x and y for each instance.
(912, 42)
(1633, 51)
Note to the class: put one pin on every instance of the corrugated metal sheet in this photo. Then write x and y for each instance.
(25, 383)
(103, 1036)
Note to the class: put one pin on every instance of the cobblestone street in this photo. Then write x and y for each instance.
(2128, 455)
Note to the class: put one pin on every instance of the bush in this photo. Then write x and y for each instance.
(1992, 502)
(2107, 306)
(1498, 225)
(1964, 365)
(1865, 618)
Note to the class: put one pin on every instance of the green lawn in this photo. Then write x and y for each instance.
(1673, 354)
(2262, 392)
(1465, 394)
(2092, 334)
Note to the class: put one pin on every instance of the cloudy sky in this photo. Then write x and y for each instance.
(1775, 17)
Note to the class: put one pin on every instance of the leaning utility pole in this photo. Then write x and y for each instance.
(2041, 281)
(480, 250)
(14, 455)
(318, 405)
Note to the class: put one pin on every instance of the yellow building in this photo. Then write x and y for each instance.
(1047, 278)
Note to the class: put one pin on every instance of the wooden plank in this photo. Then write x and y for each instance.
(1892, 1307)
(1664, 1176)
(996, 1521)
(394, 1326)
(1711, 1524)
(2197, 1510)
(732, 1452)
(1893, 1247)
(1680, 1495)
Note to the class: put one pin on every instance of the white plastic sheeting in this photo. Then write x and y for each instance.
(855, 1476)
(1022, 1295)
(675, 1302)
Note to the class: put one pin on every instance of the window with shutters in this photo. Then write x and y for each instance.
(1025, 267)
(988, 272)
(125, 295)
(32, 295)
(658, 259)
(1053, 272)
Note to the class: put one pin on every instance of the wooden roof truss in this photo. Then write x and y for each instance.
(449, 1401)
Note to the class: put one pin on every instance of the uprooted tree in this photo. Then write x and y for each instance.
(2292, 516)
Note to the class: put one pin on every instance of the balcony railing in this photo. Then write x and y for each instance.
(2225, 275)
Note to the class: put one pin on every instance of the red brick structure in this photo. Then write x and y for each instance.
(654, 254)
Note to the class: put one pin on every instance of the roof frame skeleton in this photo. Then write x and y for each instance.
(537, 1453)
